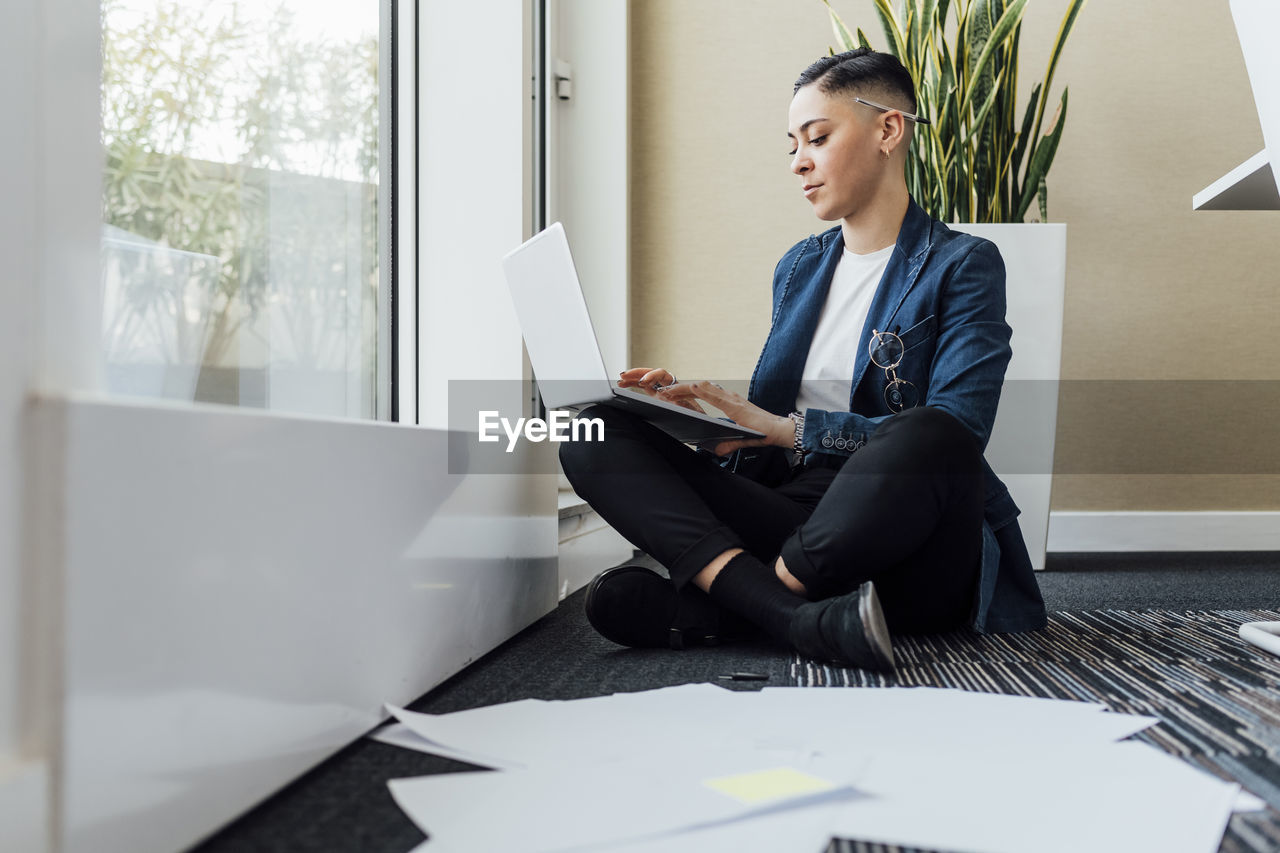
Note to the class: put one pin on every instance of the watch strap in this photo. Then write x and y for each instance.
(797, 446)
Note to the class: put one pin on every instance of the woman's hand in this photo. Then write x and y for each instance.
(778, 431)
(650, 380)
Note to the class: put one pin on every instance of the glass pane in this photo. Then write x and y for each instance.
(240, 202)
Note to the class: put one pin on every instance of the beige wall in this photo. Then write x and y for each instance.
(1160, 108)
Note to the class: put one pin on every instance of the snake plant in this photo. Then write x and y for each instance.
(975, 163)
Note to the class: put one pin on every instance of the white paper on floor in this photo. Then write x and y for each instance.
(1117, 797)
(568, 807)
(532, 732)
(941, 767)
(797, 830)
(398, 734)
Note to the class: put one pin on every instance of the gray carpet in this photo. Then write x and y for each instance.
(343, 804)
(1162, 581)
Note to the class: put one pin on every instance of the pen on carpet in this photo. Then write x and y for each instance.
(745, 676)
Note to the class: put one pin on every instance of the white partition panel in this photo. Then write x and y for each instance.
(243, 592)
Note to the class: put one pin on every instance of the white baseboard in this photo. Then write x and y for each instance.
(24, 806)
(1164, 531)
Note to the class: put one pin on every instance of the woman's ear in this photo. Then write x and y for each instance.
(893, 130)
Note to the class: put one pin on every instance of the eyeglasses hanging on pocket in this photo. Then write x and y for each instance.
(886, 351)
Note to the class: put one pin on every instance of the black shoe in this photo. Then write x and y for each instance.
(635, 606)
(849, 630)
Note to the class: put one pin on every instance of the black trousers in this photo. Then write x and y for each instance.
(905, 511)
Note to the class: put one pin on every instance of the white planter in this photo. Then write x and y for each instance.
(1021, 448)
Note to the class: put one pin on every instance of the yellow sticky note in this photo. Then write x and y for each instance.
(764, 785)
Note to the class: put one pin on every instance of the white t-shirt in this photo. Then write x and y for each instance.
(828, 371)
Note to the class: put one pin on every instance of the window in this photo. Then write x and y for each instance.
(243, 223)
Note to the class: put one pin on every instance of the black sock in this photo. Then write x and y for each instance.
(750, 588)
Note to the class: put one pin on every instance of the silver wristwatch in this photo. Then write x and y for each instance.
(798, 445)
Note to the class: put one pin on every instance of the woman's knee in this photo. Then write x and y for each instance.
(932, 428)
(578, 453)
(586, 451)
(927, 418)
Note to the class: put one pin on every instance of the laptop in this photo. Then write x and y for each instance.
(564, 350)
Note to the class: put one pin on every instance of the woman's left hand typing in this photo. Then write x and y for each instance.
(778, 430)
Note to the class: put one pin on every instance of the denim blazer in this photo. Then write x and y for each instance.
(943, 293)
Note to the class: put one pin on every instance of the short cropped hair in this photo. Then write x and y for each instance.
(864, 70)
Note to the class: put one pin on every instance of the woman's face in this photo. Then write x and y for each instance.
(836, 152)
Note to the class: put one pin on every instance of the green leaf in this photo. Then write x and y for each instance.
(929, 19)
(952, 113)
(928, 33)
(1038, 168)
(1024, 136)
(947, 73)
(914, 30)
(862, 39)
(843, 36)
(1064, 30)
(892, 32)
(1003, 28)
(980, 22)
(976, 37)
(980, 119)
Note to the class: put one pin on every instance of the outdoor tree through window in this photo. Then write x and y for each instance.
(240, 202)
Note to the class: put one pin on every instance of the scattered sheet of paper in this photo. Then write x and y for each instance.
(701, 768)
(797, 830)
(1247, 802)
(568, 807)
(671, 721)
(398, 734)
(1121, 797)
(531, 732)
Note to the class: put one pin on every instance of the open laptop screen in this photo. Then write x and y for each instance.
(553, 316)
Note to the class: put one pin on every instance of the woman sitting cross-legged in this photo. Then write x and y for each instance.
(867, 507)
